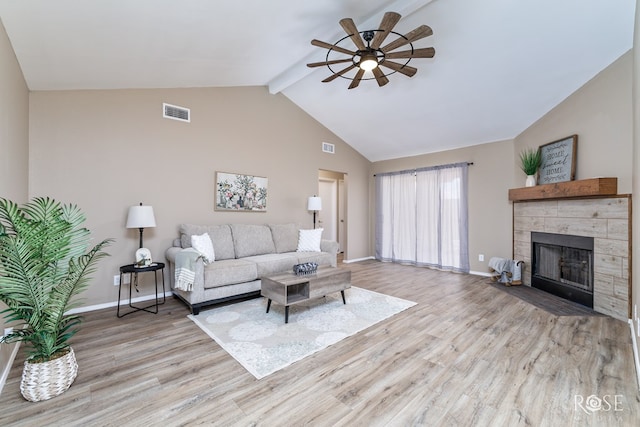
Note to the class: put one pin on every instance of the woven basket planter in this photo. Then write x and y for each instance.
(42, 381)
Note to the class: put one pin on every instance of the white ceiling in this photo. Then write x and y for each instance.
(499, 66)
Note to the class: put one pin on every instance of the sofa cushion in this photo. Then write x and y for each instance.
(321, 258)
(252, 240)
(220, 237)
(285, 237)
(271, 264)
(229, 272)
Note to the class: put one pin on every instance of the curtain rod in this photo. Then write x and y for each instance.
(414, 170)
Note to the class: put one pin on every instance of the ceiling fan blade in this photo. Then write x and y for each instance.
(427, 52)
(356, 80)
(339, 73)
(402, 69)
(380, 77)
(389, 20)
(323, 63)
(352, 31)
(419, 33)
(325, 45)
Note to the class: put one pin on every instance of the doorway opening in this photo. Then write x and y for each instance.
(332, 188)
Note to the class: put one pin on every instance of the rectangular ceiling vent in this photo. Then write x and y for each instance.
(328, 148)
(176, 113)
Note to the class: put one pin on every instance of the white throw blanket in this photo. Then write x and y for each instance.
(500, 264)
(508, 270)
(185, 269)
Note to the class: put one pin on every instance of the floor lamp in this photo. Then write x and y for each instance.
(314, 204)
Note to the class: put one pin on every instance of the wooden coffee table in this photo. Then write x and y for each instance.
(288, 289)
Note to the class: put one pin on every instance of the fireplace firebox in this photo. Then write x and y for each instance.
(563, 265)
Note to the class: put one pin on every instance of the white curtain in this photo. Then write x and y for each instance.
(421, 217)
(398, 214)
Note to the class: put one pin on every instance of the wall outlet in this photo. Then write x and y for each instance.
(8, 331)
(116, 280)
(481, 257)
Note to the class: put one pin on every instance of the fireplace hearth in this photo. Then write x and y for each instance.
(563, 265)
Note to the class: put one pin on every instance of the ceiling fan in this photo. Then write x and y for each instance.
(369, 55)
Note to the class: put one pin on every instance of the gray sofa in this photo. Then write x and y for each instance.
(243, 254)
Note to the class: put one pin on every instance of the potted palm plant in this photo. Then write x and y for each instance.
(44, 264)
(530, 161)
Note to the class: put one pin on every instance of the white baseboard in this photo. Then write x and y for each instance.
(480, 273)
(123, 302)
(349, 261)
(636, 356)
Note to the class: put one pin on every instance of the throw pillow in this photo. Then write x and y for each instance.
(202, 243)
(309, 240)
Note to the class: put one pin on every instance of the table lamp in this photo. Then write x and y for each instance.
(141, 217)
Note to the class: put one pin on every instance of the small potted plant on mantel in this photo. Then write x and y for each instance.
(44, 264)
(530, 161)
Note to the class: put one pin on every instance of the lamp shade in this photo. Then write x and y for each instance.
(141, 217)
(314, 204)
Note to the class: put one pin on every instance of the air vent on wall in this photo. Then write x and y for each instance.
(328, 148)
(176, 113)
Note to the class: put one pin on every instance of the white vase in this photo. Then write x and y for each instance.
(531, 181)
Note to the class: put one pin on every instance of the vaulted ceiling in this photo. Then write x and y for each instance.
(499, 65)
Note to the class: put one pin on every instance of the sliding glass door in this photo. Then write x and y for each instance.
(421, 217)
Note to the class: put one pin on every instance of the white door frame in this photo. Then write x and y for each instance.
(341, 215)
(328, 216)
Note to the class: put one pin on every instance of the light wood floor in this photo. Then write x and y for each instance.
(466, 354)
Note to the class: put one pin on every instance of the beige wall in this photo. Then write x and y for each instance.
(490, 178)
(108, 150)
(600, 114)
(14, 125)
(635, 288)
(14, 145)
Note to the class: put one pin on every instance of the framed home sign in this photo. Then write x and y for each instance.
(558, 160)
(240, 193)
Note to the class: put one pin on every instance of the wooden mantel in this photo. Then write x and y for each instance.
(568, 189)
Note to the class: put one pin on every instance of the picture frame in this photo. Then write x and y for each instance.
(237, 192)
(558, 160)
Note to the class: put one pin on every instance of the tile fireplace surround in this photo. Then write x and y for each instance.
(606, 219)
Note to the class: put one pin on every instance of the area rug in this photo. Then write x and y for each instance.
(264, 344)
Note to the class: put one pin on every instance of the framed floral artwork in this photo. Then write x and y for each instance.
(240, 193)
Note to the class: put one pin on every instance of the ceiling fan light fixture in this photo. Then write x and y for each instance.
(368, 62)
(372, 53)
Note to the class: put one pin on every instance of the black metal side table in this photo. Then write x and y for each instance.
(133, 272)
